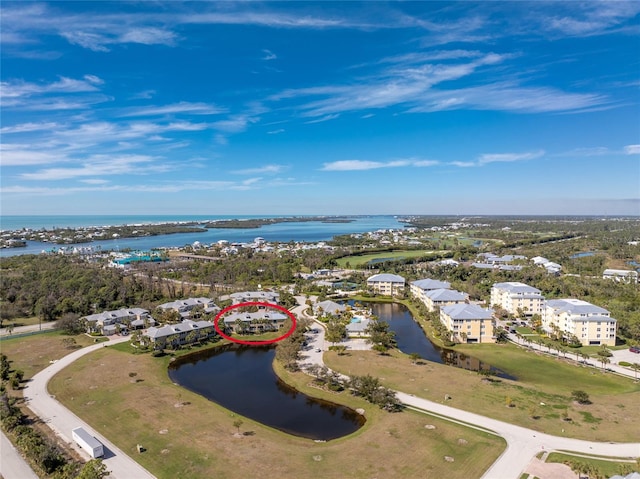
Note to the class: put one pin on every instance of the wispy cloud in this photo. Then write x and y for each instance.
(269, 55)
(324, 118)
(488, 158)
(14, 155)
(276, 132)
(102, 165)
(29, 127)
(174, 108)
(260, 170)
(632, 149)
(360, 165)
(18, 88)
(508, 157)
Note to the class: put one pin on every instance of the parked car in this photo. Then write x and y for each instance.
(635, 349)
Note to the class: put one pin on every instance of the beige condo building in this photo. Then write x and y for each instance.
(514, 295)
(468, 323)
(591, 324)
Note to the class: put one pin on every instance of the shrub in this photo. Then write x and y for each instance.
(580, 397)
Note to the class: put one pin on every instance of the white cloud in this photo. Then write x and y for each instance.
(29, 127)
(269, 55)
(148, 36)
(260, 170)
(632, 149)
(94, 181)
(324, 118)
(235, 123)
(25, 157)
(508, 157)
(464, 164)
(174, 108)
(276, 132)
(488, 158)
(18, 88)
(360, 165)
(101, 165)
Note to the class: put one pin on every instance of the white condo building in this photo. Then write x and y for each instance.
(420, 287)
(386, 284)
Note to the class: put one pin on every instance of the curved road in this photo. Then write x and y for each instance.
(61, 420)
(522, 443)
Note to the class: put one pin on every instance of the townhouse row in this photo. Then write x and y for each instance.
(188, 329)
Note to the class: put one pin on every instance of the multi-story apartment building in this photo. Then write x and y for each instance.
(591, 324)
(420, 287)
(513, 295)
(468, 323)
(437, 298)
(386, 284)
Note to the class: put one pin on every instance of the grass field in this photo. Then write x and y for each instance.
(357, 261)
(606, 468)
(612, 416)
(197, 440)
(34, 353)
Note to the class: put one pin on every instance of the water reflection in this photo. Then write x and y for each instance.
(411, 338)
(241, 378)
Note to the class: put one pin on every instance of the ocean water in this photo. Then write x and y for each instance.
(37, 222)
(308, 231)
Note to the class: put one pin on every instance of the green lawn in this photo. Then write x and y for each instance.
(532, 368)
(356, 261)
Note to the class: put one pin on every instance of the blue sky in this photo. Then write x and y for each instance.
(320, 108)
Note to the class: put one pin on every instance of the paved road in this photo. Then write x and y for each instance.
(28, 329)
(62, 421)
(617, 356)
(522, 443)
(12, 465)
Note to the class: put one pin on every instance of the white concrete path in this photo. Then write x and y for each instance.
(61, 420)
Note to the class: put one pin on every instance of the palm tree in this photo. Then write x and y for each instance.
(636, 367)
(604, 360)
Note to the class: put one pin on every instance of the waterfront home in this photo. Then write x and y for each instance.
(256, 322)
(185, 332)
(621, 275)
(126, 317)
(329, 308)
(574, 318)
(185, 307)
(255, 297)
(386, 284)
(420, 287)
(513, 296)
(437, 298)
(468, 323)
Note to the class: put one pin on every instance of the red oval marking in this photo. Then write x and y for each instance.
(252, 303)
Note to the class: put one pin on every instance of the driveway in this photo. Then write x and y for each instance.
(62, 421)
